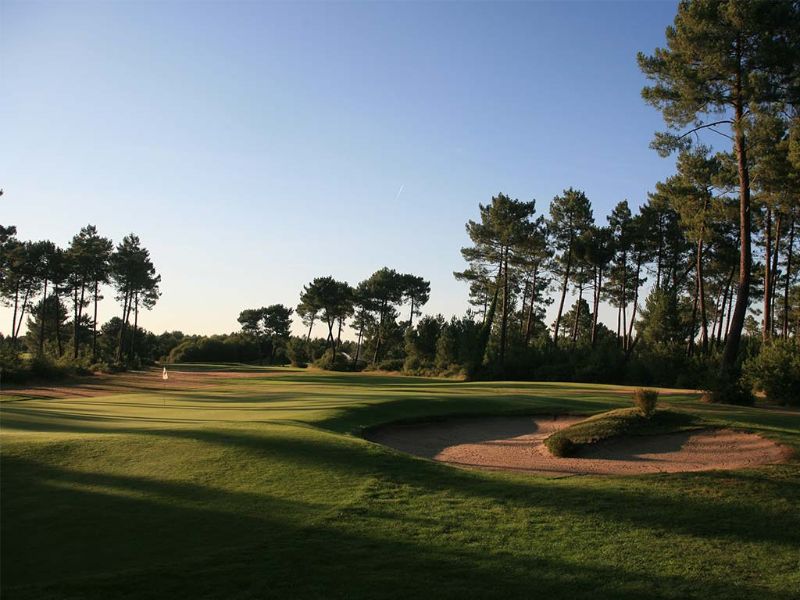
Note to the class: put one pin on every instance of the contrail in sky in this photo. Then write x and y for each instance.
(400, 191)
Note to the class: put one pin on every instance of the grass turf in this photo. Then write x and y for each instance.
(257, 487)
(616, 423)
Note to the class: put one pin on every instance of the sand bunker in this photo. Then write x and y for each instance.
(516, 443)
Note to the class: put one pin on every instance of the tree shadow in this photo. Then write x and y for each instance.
(134, 537)
(630, 503)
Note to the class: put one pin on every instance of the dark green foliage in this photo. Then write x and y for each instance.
(645, 400)
(420, 344)
(560, 445)
(390, 364)
(297, 349)
(729, 388)
(217, 348)
(776, 371)
(269, 327)
(11, 365)
(333, 362)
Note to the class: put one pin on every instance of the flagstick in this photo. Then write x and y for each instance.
(164, 377)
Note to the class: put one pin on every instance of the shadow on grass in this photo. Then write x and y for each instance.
(229, 368)
(150, 538)
(361, 416)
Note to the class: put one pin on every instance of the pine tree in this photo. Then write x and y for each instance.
(722, 57)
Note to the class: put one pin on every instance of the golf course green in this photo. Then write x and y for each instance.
(240, 482)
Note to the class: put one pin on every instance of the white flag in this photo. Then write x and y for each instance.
(164, 374)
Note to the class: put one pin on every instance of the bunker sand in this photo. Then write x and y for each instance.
(517, 444)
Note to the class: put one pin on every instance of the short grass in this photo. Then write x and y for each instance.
(615, 423)
(259, 486)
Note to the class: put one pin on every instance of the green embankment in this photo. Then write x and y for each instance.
(571, 440)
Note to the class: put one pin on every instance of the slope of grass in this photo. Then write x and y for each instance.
(615, 423)
(256, 486)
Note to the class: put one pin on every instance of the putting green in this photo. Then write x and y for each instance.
(246, 482)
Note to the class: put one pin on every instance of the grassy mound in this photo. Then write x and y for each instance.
(614, 423)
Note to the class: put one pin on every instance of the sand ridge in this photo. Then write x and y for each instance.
(517, 443)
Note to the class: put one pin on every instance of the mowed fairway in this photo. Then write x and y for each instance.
(259, 485)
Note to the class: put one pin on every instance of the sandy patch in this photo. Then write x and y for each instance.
(516, 443)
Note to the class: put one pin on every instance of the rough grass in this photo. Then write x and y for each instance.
(616, 423)
(256, 487)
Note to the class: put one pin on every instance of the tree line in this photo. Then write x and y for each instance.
(56, 292)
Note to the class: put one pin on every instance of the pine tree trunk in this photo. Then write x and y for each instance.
(358, 345)
(14, 316)
(522, 310)
(624, 300)
(717, 300)
(43, 318)
(774, 278)
(15, 333)
(765, 332)
(310, 325)
(701, 293)
(629, 346)
(577, 311)
(80, 316)
(690, 343)
(725, 300)
(785, 331)
(132, 352)
(596, 307)
(504, 321)
(531, 305)
(658, 257)
(57, 323)
(121, 336)
(380, 333)
(563, 293)
(731, 351)
(94, 322)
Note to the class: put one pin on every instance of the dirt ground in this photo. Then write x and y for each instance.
(517, 443)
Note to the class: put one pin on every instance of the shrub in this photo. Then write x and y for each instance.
(729, 388)
(327, 362)
(390, 364)
(297, 350)
(11, 367)
(645, 400)
(43, 367)
(105, 366)
(560, 445)
(776, 372)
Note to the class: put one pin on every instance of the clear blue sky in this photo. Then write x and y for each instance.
(255, 145)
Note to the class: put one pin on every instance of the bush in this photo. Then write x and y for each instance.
(297, 351)
(645, 400)
(327, 362)
(107, 367)
(390, 364)
(43, 367)
(560, 445)
(729, 388)
(11, 367)
(776, 372)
